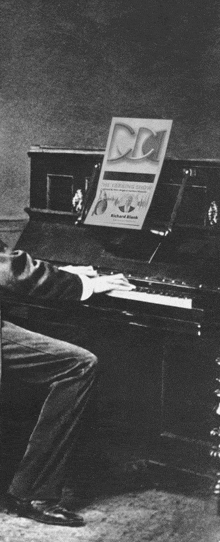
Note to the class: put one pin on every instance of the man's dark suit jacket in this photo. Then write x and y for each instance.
(35, 279)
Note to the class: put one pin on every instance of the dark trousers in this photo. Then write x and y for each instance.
(63, 375)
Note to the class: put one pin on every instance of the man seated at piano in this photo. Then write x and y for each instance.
(64, 372)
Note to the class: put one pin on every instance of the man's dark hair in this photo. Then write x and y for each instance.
(3, 246)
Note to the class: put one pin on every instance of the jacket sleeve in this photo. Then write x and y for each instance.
(36, 279)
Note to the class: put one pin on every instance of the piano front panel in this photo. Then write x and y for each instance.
(76, 167)
(155, 391)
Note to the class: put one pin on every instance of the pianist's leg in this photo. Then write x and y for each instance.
(64, 373)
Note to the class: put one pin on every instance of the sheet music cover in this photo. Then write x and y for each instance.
(130, 171)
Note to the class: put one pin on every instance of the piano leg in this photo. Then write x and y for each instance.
(215, 434)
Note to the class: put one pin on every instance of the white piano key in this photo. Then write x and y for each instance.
(159, 299)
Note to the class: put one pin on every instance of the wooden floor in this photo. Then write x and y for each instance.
(156, 508)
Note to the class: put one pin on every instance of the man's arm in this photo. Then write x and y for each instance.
(33, 278)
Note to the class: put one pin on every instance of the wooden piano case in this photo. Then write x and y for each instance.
(158, 370)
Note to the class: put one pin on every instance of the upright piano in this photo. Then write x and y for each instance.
(158, 345)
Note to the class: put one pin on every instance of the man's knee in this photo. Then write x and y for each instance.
(87, 361)
(92, 361)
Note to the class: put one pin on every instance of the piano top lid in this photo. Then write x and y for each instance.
(44, 149)
(52, 149)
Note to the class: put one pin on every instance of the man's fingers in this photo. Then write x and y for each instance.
(120, 282)
(106, 283)
(121, 286)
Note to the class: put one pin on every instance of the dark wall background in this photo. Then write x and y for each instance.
(68, 66)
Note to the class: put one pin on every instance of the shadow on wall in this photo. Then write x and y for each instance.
(10, 231)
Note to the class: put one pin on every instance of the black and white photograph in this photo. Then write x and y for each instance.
(109, 271)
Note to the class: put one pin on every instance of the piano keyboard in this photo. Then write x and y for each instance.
(180, 301)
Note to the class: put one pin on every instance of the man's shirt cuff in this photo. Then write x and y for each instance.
(87, 287)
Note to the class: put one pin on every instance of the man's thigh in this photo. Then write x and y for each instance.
(36, 358)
